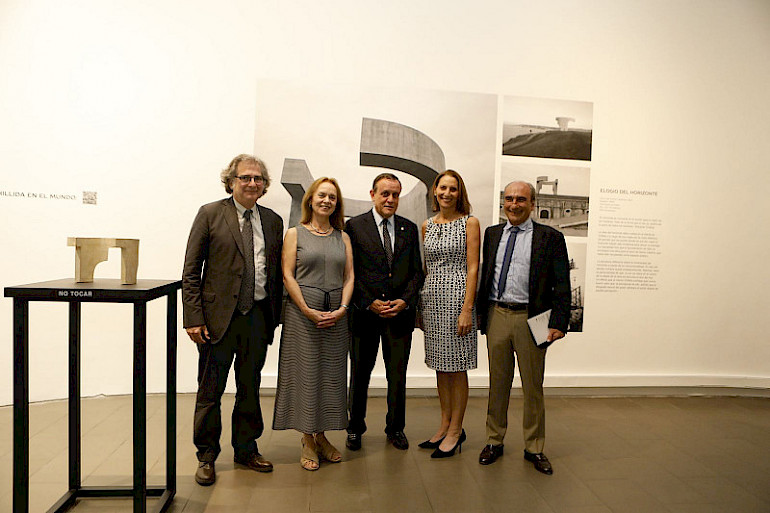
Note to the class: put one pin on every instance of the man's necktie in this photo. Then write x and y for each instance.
(386, 243)
(246, 295)
(507, 260)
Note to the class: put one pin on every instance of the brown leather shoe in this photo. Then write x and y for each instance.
(205, 475)
(490, 453)
(540, 461)
(254, 461)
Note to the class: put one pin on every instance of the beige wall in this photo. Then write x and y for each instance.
(143, 102)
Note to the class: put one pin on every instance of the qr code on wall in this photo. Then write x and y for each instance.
(89, 198)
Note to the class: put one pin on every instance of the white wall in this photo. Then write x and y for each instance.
(144, 102)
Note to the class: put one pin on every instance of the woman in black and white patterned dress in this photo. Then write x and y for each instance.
(451, 240)
(312, 369)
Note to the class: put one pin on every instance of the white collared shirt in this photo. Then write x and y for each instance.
(391, 227)
(260, 263)
(517, 282)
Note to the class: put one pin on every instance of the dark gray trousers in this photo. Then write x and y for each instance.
(246, 341)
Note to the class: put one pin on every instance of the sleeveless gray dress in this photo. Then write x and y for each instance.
(442, 298)
(312, 366)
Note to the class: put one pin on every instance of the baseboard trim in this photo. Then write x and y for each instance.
(704, 391)
(598, 392)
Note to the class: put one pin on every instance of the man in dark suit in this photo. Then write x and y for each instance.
(231, 294)
(389, 275)
(525, 272)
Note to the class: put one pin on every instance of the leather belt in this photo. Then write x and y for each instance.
(516, 307)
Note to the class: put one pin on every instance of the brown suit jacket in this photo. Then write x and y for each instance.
(213, 266)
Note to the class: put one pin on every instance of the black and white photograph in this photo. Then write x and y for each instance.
(562, 194)
(305, 131)
(545, 128)
(576, 251)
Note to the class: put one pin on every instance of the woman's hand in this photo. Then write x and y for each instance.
(464, 322)
(314, 316)
(329, 319)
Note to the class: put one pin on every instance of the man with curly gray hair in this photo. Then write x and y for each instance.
(231, 294)
(229, 173)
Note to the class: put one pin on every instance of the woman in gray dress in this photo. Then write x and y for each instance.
(317, 266)
(451, 240)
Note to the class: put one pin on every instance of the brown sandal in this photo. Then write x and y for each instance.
(326, 450)
(309, 456)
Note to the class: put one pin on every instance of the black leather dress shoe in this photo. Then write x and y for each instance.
(254, 461)
(398, 439)
(490, 453)
(540, 461)
(205, 475)
(353, 442)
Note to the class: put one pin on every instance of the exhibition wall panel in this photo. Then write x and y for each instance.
(115, 119)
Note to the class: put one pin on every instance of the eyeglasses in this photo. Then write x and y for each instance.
(246, 179)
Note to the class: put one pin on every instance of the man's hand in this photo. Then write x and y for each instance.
(392, 308)
(554, 334)
(198, 334)
(377, 306)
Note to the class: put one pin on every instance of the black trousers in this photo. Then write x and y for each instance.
(363, 355)
(246, 341)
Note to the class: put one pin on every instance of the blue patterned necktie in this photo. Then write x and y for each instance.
(507, 260)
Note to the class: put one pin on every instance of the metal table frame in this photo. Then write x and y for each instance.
(105, 291)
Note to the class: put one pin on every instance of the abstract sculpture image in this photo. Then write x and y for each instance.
(90, 251)
(384, 144)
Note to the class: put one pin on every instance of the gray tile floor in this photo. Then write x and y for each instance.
(636, 454)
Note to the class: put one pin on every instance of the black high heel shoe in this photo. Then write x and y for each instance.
(438, 453)
(427, 444)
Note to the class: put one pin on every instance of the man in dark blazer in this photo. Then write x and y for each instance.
(389, 275)
(231, 295)
(525, 272)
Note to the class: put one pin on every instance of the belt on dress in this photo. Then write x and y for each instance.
(516, 307)
(327, 296)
